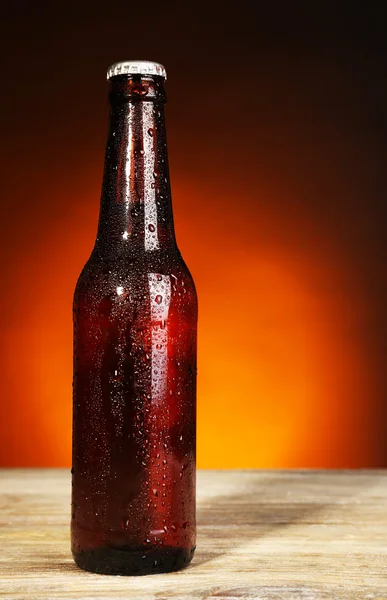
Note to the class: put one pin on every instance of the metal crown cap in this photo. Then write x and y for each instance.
(136, 67)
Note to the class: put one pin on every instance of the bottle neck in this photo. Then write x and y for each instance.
(136, 207)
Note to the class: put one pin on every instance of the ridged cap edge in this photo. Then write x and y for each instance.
(136, 67)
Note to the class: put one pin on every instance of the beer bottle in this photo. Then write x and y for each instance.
(135, 323)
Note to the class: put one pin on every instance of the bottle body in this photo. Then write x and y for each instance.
(134, 389)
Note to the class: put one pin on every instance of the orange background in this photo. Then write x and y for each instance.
(277, 178)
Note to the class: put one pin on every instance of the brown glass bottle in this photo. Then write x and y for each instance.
(135, 321)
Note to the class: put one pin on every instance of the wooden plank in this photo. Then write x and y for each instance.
(268, 535)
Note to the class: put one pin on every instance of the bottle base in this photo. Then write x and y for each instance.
(133, 561)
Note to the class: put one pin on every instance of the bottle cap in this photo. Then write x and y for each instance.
(136, 67)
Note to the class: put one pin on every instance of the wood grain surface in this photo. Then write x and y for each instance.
(267, 535)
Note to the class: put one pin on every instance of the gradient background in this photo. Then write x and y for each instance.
(277, 139)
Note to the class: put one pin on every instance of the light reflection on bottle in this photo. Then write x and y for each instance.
(160, 298)
(151, 240)
(128, 158)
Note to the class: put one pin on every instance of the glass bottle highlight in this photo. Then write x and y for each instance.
(135, 324)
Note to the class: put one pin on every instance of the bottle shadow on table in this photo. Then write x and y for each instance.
(268, 504)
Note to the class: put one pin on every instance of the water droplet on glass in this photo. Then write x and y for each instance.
(159, 299)
(150, 131)
(151, 227)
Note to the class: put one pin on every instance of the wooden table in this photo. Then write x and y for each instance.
(266, 535)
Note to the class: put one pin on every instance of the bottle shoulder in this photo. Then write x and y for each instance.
(167, 262)
(135, 276)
